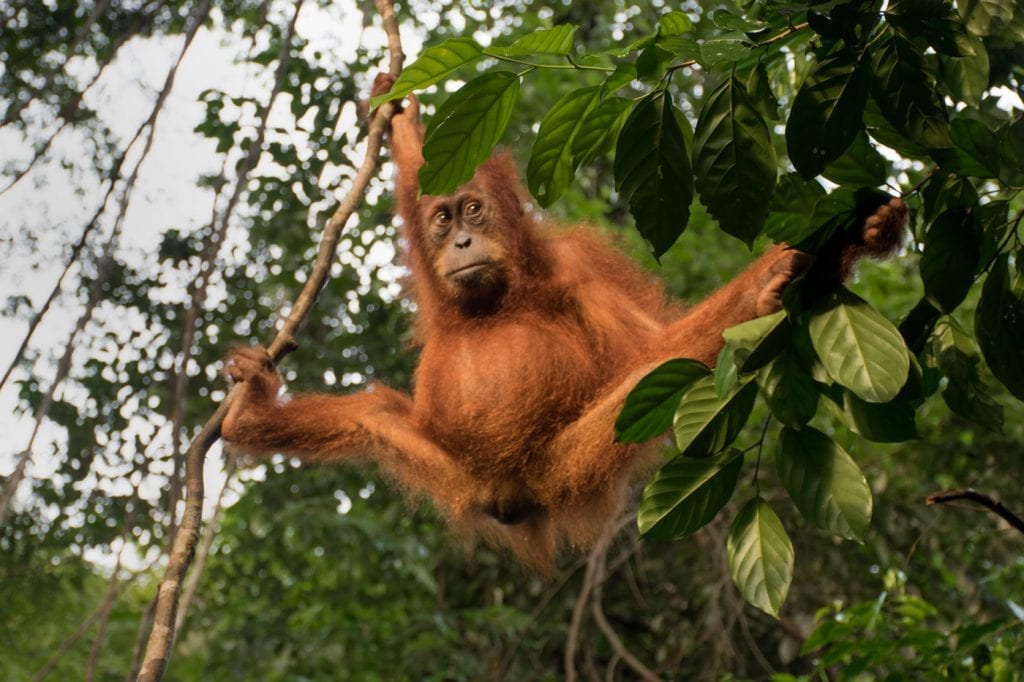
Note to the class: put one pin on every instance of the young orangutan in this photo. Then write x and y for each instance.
(531, 339)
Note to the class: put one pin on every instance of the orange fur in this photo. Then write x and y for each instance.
(510, 428)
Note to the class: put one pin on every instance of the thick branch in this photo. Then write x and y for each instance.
(994, 506)
(161, 638)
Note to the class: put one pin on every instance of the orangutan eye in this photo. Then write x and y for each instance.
(442, 218)
(472, 209)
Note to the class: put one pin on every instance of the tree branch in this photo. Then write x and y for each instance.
(984, 500)
(161, 637)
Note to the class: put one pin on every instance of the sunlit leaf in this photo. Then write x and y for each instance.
(599, 129)
(985, 17)
(557, 41)
(704, 423)
(433, 65)
(824, 482)
(651, 405)
(551, 166)
(465, 129)
(859, 348)
(687, 493)
(760, 556)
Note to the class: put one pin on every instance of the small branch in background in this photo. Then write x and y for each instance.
(161, 638)
(984, 500)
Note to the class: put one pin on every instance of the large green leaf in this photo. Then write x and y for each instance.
(907, 96)
(789, 390)
(827, 112)
(760, 556)
(465, 129)
(599, 128)
(432, 66)
(651, 405)
(950, 261)
(859, 165)
(652, 170)
(687, 493)
(734, 161)
(975, 152)
(985, 17)
(824, 482)
(557, 41)
(792, 208)
(966, 78)
(704, 423)
(859, 348)
(999, 324)
(966, 394)
(551, 166)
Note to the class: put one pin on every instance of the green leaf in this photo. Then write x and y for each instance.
(652, 170)
(465, 129)
(950, 261)
(557, 41)
(999, 324)
(891, 422)
(651, 405)
(734, 161)
(792, 208)
(859, 165)
(966, 394)
(976, 150)
(1011, 152)
(966, 78)
(704, 423)
(432, 66)
(599, 129)
(985, 17)
(859, 348)
(724, 52)
(686, 494)
(757, 342)
(789, 390)
(760, 90)
(551, 166)
(934, 20)
(730, 22)
(827, 112)
(674, 23)
(824, 482)
(907, 96)
(760, 556)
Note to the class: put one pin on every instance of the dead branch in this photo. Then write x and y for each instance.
(994, 506)
(161, 637)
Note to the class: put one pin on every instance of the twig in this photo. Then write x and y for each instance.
(158, 649)
(609, 632)
(984, 500)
